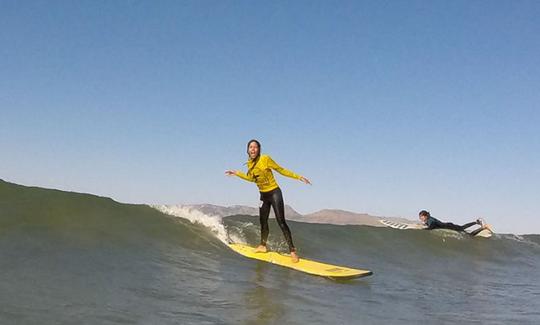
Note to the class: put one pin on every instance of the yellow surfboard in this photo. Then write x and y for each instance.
(304, 265)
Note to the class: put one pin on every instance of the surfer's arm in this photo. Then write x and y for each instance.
(433, 224)
(244, 176)
(285, 172)
(239, 174)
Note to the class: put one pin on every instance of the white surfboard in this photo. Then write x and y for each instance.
(401, 225)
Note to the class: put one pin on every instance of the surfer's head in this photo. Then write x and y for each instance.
(253, 149)
(424, 215)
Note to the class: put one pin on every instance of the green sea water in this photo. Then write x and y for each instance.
(70, 258)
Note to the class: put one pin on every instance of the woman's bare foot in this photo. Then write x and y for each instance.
(488, 227)
(294, 257)
(261, 249)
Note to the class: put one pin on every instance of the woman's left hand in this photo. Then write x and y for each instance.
(305, 180)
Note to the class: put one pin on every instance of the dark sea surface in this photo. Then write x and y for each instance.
(70, 258)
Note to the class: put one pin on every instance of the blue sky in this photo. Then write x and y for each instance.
(389, 107)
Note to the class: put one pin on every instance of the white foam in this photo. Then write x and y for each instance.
(212, 222)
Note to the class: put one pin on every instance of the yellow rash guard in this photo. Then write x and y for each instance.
(262, 175)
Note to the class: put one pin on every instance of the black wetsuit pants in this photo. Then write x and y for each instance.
(274, 199)
(449, 225)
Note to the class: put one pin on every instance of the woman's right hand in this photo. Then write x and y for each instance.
(230, 172)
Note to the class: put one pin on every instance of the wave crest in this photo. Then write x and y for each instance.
(212, 222)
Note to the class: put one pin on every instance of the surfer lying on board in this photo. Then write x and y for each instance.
(260, 172)
(433, 223)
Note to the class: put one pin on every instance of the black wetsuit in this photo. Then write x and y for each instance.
(274, 198)
(433, 223)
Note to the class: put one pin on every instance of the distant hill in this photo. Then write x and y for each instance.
(342, 217)
(222, 211)
(330, 216)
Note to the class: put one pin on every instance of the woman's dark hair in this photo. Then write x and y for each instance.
(424, 213)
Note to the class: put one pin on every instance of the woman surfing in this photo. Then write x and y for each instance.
(260, 172)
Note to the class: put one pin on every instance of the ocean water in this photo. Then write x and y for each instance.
(69, 258)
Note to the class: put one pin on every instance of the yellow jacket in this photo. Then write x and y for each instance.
(261, 173)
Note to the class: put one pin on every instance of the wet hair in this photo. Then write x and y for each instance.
(424, 213)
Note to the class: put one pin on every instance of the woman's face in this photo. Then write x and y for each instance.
(253, 150)
(423, 218)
